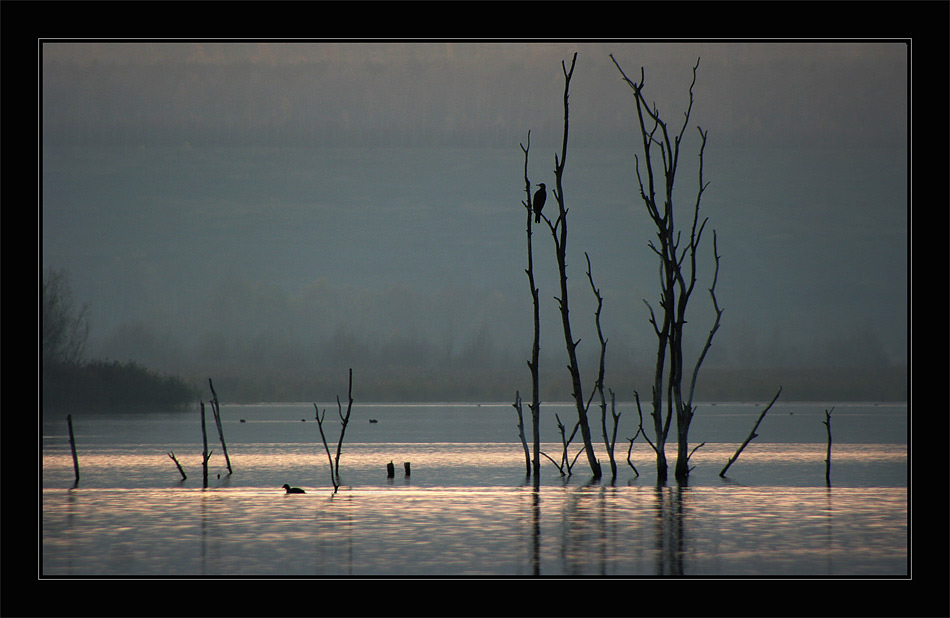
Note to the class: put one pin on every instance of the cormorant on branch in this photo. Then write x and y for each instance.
(539, 198)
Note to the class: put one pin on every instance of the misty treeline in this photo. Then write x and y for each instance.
(679, 228)
(70, 380)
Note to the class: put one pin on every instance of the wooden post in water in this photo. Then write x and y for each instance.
(390, 470)
(72, 445)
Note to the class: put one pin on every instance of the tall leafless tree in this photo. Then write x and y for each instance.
(559, 233)
(678, 272)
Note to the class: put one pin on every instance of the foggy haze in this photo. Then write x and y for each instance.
(250, 209)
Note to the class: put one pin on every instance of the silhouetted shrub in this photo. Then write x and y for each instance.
(112, 386)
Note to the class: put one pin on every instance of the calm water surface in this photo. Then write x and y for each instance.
(466, 509)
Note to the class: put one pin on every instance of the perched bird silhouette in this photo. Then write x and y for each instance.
(539, 198)
(293, 490)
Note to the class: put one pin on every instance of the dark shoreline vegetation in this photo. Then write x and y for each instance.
(112, 386)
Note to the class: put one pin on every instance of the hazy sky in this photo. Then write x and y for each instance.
(776, 93)
(152, 182)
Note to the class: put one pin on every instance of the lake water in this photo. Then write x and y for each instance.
(467, 510)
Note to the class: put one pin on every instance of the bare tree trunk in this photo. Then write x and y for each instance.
(559, 232)
(827, 424)
(344, 420)
(535, 405)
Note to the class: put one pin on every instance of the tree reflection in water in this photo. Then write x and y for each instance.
(669, 529)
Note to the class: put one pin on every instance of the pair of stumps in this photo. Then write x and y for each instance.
(391, 469)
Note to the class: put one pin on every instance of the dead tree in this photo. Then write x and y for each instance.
(535, 405)
(216, 411)
(752, 434)
(678, 273)
(827, 424)
(344, 421)
(559, 233)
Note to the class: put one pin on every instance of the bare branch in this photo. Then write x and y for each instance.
(556, 464)
(715, 326)
(752, 433)
(640, 427)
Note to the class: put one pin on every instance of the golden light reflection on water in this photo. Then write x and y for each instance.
(455, 464)
(466, 509)
(404, 530)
